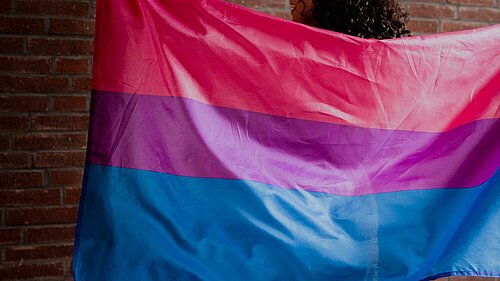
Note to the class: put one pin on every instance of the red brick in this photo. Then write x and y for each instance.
(431, 11)
(50, 234)
(45, 8)
(93, 10)
(21, 179)
(59, 123)
(23, 103)
(23, 197)
(59, 159)
(448, 26)
(13, 123)
(473, 2)
(4, 142)
(5, 6)
(78, 66)
(21, 25)
(10, 236)
(13, 160)
(17, 253)
(25, 271)
(11, 45)
(41, 215)
(72, 195)
(24, 65)
(82, 85)
(480, 14)
(72, 26)
(65, 178)
(282, 14)
(50, 141)
(70, 103)
(60, 47)
(429, 1)
(260, 3)
(420, 26)
(42, 84)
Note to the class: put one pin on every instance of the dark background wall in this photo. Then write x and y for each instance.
(45, 70)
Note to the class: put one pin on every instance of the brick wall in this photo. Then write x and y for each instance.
(45, 64)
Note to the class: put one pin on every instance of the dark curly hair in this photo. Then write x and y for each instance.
(379, 19)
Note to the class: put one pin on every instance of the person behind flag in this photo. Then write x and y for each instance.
(379, 19)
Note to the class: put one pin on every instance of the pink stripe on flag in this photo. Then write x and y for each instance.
(237, 58)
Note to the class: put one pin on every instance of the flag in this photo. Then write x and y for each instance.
(226, 144)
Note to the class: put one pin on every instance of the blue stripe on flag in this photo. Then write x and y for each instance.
(142, 225)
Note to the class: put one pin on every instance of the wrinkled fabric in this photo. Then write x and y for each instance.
(226, 144)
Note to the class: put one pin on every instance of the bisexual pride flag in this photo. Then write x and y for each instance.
(226, 144)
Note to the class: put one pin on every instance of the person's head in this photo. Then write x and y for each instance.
(379, 19)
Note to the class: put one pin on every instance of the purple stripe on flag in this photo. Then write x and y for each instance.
(184, 137)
